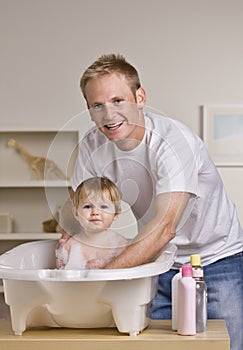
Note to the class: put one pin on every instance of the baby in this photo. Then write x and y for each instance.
(96, 204)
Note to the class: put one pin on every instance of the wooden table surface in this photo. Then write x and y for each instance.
(157, 336)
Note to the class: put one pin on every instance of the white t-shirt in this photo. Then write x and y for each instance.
(170, 158)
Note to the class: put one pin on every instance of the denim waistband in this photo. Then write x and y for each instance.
(229, 257)
(237, 255)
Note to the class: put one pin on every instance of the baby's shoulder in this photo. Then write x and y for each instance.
(74, 240)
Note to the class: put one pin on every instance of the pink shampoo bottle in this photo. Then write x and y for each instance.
(186, 302)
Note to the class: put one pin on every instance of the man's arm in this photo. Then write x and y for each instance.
(156, 234)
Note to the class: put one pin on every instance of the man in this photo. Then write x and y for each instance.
(166, 175)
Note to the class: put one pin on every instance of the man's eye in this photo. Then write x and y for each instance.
(118, 101)
(97, 107)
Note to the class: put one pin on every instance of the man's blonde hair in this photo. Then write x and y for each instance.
(108, 64)
(98, 186)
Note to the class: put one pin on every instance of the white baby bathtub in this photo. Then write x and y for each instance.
(40, 295)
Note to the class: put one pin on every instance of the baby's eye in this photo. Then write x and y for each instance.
(87, 206)
(104, 206)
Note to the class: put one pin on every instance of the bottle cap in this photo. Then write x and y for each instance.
(186, 271)
(195, 260)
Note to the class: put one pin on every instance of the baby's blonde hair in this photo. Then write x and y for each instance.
(98, 186)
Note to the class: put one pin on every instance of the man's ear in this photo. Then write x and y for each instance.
(141, 97)
(91, 113)
(115, 216)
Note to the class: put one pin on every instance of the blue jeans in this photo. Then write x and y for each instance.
(224, 280)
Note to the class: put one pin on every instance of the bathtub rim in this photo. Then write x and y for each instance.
(162, 264)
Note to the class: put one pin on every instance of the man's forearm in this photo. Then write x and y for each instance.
(144, 248)
(156, 234)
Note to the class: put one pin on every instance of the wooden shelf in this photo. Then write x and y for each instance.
(29, 201)
(28, 236)
(34, 184)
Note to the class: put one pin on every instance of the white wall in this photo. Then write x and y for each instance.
(188, 52)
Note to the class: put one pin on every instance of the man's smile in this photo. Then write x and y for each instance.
(114, 126)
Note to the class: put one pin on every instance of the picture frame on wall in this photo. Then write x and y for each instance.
(223, 133)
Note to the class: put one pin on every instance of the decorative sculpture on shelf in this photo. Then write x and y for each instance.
(41, 167)
(52, 225)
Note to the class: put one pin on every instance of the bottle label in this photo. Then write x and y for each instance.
(197, 273)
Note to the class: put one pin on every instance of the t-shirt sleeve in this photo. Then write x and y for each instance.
(177, 164)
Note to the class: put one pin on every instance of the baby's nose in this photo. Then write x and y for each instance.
(95, 211)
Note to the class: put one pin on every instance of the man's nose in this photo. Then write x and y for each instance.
(110, 111)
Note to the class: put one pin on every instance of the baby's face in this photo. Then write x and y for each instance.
(96, 214)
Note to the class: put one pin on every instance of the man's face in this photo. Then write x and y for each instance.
(115, 109)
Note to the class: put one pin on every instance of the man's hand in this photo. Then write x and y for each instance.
(65, 237)
(96, 264)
